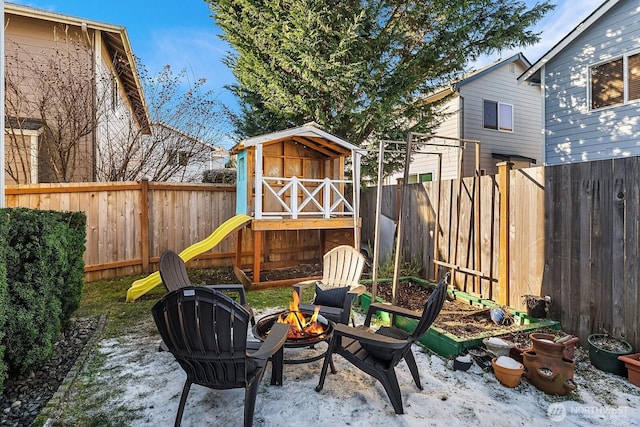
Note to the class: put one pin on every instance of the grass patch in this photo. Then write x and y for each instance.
(108, 297)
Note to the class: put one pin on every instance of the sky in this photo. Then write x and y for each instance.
(184, 35)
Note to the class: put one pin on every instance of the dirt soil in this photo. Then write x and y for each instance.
(226, 275)
(457, 317)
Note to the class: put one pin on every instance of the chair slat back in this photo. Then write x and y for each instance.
(173, 271)
(432, 307)
(342, 266)
(206, 331)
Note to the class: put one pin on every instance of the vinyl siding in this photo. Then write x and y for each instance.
(501, 85)
(573, 132)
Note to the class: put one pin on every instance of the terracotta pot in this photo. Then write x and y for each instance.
(544, 345)
(508, 377)
(551, 374)
(632, 363)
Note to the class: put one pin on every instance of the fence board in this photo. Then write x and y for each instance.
(574, 233)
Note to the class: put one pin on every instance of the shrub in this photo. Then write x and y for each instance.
(44, 278)
(4, 226)
(219, 176)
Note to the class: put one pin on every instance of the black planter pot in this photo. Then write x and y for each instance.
(607, 359)
(536, 306)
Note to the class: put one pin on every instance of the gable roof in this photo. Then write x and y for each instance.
(533, 73)
(116, 41)
(476, 74)
(309, 135)
(217, 149)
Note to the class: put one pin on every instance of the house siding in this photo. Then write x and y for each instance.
(573, 132)
(27, 38)
(501, 85)
(450, 127)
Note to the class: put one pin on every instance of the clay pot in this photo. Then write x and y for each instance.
(632, 362)
(552, 374)
(507, 376)
(543, 344)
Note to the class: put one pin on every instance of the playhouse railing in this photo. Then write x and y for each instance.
(304, 197)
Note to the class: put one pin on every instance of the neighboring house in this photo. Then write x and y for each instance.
(590, 85)
(489, 106)
(66, 141)
(184, 157)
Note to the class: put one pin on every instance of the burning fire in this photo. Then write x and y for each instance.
(299, 326)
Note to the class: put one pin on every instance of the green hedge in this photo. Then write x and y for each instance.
(4, 227)
(44, 282)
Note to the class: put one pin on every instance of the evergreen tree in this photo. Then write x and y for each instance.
(359, 68)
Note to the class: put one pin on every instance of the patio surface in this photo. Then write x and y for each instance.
(129, 382)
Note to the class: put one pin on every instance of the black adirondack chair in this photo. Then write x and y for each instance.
(173, 273)
(377, 353)
(206, 331)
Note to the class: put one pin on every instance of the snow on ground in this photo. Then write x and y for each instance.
(147, 384)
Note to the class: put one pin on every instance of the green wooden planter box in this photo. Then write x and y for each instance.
(446, 344)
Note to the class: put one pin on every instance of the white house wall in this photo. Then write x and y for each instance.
(501, 85)
(573, 132)
(117, 131)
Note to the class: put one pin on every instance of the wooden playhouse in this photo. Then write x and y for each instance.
(293, 184)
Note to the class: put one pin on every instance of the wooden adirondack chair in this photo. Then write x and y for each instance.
(341, 271)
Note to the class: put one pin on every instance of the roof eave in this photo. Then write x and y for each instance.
(533, 72)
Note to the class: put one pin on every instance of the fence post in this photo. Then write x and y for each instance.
(504, 262)
(144, 224)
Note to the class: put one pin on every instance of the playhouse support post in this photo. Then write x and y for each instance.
(257, 255)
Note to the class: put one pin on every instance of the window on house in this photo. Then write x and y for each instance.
(425, 177)
(183, 158)
(498, 116)
(180, 158)
(114, 93)
(615, 82)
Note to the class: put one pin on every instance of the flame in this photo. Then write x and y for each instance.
(299, 326)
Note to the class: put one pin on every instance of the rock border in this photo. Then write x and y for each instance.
(44, 417)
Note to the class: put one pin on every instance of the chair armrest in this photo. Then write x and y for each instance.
(239, 289)
(299, 287)
(391, 309)
(366, 336)
(275, 340)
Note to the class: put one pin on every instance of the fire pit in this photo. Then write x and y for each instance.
(306, 330)
(297, 337)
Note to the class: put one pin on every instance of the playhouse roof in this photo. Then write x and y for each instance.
(308, 134)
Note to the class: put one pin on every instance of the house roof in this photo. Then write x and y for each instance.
(533, 73)
(117, 43)
(513, 157)
(309, 135)
(217, 149)
(476, 74)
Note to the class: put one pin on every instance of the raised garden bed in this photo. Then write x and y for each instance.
(463, 322)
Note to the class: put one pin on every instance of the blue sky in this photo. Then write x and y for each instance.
(183, 35)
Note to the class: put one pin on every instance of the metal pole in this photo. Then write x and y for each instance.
(376, 232)
(396, 270)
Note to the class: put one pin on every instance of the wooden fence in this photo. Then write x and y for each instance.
(592, 242)
(130, 223)
(570, 232)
